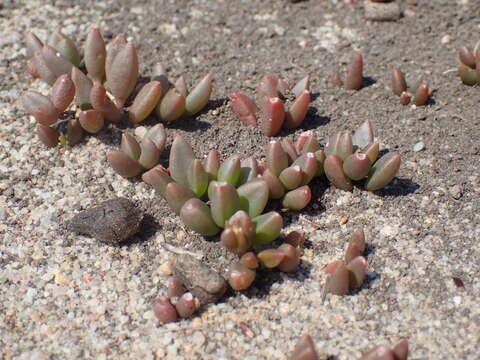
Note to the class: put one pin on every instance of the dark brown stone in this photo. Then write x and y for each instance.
(111, 222)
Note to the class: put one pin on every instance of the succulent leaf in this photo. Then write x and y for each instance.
(308, 164)
(297, 111)
(224, 201)
(291, 259)
(95, 55)
(130, 146)
(352, 252)
(304, 350)
(145, 101)
(177, 195)
(42, 69)
(267, 228)
(320, 156)
(338, 281)
(334, 171)
(248, 170)
(158, 135)
(239, 233)
(275, 187)
(358, 238)
(181, 158)
(297, 199)
(244, 108)
(123, 74)
(186, 305)
(309, 143)
(383, 171)
(199, 96)
(354, 77)
(467, 57)
(172, 106)
(198, 217)
(165, 311)
(292, 177)
(270, 258)
(150, 154)
(65, 46)
(113, 48)
(301, 86)
(371, 150)
(63, 91)
(101, 102)
(421, 95)
(253, 196)
(40, 107)
(273, 116)
(289, 148)
(249, 260)
(277, 159)
(357, 268)
(55, 62)
(356, 166)
(229, 170)
(212, 164)
(33, 44)
(467, 75)
(340, 144)
(91, 121)
(267, 87)
(83, 88)
(401, 350)
(158, 178)
(47, 135)
(363, 135)
(399, 85)
(197, 178)
(240, 277)
(123, 164)
(181, 86)
(160, 74)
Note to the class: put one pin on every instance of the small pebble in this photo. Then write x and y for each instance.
(419, 146)
(456, 192)
(446, 39)
(382, 11)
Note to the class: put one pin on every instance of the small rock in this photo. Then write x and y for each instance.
(446, 39)
(456, 191)
(419, 146)
(382, 11)
(205, 284)
(111, 222)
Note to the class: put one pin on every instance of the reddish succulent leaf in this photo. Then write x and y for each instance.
(253, 196)
(239, 233)
(123, 164)
(164, 311)
(267, 87)
(354, 77)
(292, 177)
(334, 172)
(399, 85)
(42, 68)
(363, 135)
(467, 75)
(240, 277)
(74, 132)
(249, 260)
(291, 260)
(295, 238)
(267, 228)
(383, 171)
(273, 116)
(181, 86)
(212, 164)
(33, 44)
(172, 106)
(330, 268)
(40, 107)
(309, 165)
(186, 305)
(301, 86)
(197, 216)
(304, 350)
(356, 166)
(338, 281)
(113, 49)
(276, 157)
(275, 187)
(150, 154)
(297, 111)
(175, 288)
(270, 258)
(248, 170)
(181, 157)
(91, 120)
(405, 98)
(297, 199)
(357, 269)
(421, 95)
(401, 350)
(352, 252)
(224, 201)
(47, 135)
(177, 195)
(358, 238)
(371, 150)
(55, 62)
(197, 178)
(145, 101)
(31, 69)
(467, 57)
(95, 55)
(320, 156)
(199, 96)
(158, 135)
(244, 108)
(130, 146)
(65, 46)
(289, 148)
(63, 91)
(160, 74)
(83, 88)
(123, 74)
(101, 102)
(229, 170)
(158, 178)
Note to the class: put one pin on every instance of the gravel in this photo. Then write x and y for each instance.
(67, 296)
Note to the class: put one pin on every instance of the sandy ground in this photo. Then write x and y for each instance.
(65, 296)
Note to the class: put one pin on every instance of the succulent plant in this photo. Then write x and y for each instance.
(418, 93)
(270, 112)
(469, 66)
(110, 89)
(349, 274)
(354, 75)
(178, 303)
(135, 157)
(382, 352)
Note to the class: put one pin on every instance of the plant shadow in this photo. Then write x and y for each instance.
(398, 187)
(148, 227)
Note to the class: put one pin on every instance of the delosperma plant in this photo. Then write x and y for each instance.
(354, 75)
(305, 350)
(349, 274)
(469, 66)
(271, 113)
(418, 93)
(108, 89)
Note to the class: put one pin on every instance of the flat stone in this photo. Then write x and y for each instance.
(419, 146)
(111, 222)
(205, 284)
(384, 11)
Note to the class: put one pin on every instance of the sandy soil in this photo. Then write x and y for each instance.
(68, 296)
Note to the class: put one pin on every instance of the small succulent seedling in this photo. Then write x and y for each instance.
(135, 157)
(345, 276)
(418, 93)
(381, 352)
(469, 66)
(108, 90)
(353, 158)
(270, 112)
(354, 76)
(178, 303)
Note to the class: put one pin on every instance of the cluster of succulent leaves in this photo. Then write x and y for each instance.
(104, 84)
(469, 66)
(178, 303)
(305, 350)
(349, 274)
(273, 112)
(419, 89)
